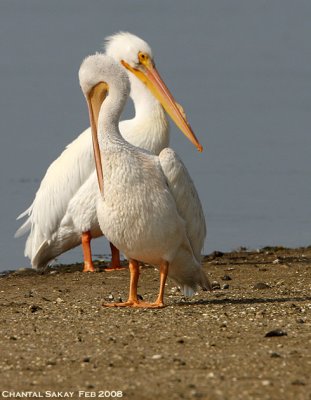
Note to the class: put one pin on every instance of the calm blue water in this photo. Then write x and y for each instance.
(242, 71)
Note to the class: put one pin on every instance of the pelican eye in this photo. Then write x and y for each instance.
(143, 57)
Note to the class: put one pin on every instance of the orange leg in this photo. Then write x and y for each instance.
(163, 275)
(115, 259)
(133, 300)
(87, 254)
(134, 276)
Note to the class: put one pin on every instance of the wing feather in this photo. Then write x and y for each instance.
(62, 180)
(186, 197)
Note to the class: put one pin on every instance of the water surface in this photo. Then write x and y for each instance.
(241, 70)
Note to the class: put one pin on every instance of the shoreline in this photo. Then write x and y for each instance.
(102, 261)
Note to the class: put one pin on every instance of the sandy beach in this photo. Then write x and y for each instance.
(249, 338)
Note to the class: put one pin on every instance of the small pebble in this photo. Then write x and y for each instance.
(31, 293)
(226, 286)
(276, 332)
(298, 382)
(179, 361)
(110, 297)
(59, 300)
(226, 278)
(215, 285)
(34, 308)
(156, 357)
(261, 285)
(86, 359)
(274, 354)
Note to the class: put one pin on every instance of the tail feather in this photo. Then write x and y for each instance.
(44, 251)
(188, 273)
(22, 230)
(40, 260)
(33, 243)
(187, 291)
(24, 213)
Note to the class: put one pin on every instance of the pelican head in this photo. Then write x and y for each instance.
(99, 69)
(126, 46)
(99, 74)
(136, 56)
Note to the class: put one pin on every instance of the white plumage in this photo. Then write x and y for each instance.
(64, 205)
(160, 219)
(189, 207)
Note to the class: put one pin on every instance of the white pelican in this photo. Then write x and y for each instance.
(63, 212)
(160, 220)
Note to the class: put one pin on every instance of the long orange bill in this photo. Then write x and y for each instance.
(149, 75)
(94, 101)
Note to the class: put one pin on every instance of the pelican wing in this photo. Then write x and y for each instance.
(186, 197)
(62, 180)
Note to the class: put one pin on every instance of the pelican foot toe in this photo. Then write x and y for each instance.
(88, 267)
